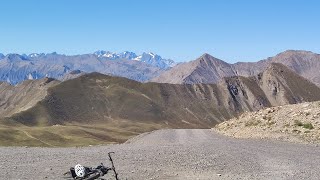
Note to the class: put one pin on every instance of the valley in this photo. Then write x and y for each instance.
(95, 109)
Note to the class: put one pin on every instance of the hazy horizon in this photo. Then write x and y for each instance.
(188, 60)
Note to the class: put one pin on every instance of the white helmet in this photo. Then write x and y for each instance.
(80, 170)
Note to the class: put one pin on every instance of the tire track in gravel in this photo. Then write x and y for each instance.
(32, 137)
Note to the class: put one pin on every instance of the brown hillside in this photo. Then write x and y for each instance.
(282, 86)
(97, 98)
(23, 96)
(96, 108)
(207, 69)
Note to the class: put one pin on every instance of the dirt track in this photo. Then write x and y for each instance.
(172, 154)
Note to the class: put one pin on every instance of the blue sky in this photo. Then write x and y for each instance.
(232, 30)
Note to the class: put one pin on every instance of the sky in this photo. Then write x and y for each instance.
(182, 30)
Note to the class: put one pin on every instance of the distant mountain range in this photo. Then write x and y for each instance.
(15, 68)
(208, 69)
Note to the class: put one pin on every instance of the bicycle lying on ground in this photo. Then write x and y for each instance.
(80, 172)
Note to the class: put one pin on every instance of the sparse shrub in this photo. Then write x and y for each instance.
(298, 123)
(308, 126)
(271, 123)
(307, 132)
(252, 123)
(308, 113)
(269, 118)
(286, 125)
(296, 131)
(304, 125)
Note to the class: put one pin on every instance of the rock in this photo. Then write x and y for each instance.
(305, 105)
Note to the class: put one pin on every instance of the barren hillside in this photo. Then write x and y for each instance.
(23, 96)
(294, 123)
(208, 69)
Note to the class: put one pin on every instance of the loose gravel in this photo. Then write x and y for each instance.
(171, 154)
(297, 123)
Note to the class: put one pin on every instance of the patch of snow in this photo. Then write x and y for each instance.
(8, 80)
(138, 58)
(30, 77)
(33, 55)
(151, 54)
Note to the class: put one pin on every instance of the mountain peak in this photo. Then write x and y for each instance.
(277, 68)
(106, 54)
(206, 55)
(34, 55)
(292, 53)
(212, 61)
(152, 58)
(281, 71)
(149, 58)
(206, 69)
(16, 57)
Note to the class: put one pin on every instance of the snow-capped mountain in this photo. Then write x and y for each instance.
(15, 68)
(112, 56)
(127, 55)
(149, 58)
(34, 55)
(106, 54)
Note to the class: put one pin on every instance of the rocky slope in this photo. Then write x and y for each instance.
(208, 69)
(81, 110)
(23, 96)
(294, 123)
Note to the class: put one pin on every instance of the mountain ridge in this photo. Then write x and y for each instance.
(208, 69)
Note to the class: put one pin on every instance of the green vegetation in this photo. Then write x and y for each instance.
(298, 123)
(308, 126)
(73, 134)
(304, 125)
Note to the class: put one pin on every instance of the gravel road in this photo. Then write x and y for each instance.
(172, 154)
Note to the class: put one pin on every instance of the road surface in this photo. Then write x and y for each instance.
(172, 154)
